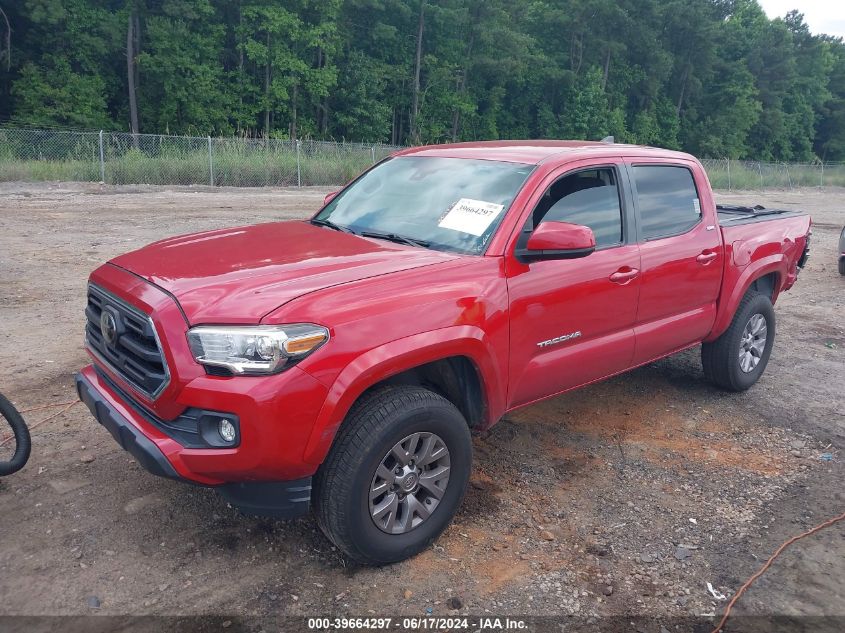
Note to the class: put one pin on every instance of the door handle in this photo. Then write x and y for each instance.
(624, 275)
(706, 258)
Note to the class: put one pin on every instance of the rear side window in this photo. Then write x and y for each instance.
(668, 200)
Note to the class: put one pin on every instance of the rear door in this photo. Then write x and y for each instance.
(680, 254)
(572, 321)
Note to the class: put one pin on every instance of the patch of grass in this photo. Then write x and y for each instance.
(166, 160)
(229, 169)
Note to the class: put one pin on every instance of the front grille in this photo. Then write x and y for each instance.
(127, 343)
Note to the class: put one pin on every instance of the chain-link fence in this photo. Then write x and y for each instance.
(121, 158)
(725, 173)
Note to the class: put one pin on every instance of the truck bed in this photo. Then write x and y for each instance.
(761, 240)
(730, 215)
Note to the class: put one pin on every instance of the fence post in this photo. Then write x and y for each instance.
(102, 160)
(210, 164)
(821, 177)
(373, 150)
(298, 166)
(760, 167)
(728, 161)
(788, 177)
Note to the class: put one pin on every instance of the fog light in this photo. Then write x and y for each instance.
(226, 430)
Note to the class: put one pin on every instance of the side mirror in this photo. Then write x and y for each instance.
(329, 197)
(558, 240)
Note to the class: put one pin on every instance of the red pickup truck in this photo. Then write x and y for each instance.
(343, 361)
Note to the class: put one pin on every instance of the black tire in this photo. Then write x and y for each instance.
(375, 424)
(9, 417)
(721, 358)
(842, 266)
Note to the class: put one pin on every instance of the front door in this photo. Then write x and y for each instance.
(572, 321)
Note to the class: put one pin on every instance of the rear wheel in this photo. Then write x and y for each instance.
(737, 359)
(842, 266)
(395, 475)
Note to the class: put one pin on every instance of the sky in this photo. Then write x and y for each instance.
(822, 16)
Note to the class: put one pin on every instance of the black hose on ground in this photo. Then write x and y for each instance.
(20, 434)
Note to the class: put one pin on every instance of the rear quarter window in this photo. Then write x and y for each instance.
(667, 199)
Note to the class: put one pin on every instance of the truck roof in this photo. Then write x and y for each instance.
(535, 152)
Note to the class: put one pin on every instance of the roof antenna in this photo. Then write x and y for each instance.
(608, 139)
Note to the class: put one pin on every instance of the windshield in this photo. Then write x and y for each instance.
(451, 204)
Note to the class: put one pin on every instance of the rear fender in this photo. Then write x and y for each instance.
(401, 355)
(727, 306)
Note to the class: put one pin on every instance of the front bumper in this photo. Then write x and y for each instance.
(129, 437)
(249, 476)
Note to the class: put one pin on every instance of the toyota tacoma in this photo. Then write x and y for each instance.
(342, 362)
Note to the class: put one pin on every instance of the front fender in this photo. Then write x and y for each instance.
(397, 356)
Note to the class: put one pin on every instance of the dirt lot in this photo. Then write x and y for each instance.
(625, 498)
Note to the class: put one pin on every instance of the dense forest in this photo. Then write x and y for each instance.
(714, 77)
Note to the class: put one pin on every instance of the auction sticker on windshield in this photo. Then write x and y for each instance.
(471, 216)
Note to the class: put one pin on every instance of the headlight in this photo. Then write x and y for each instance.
(259, 349)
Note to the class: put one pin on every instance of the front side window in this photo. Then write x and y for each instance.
(451, 204)
(589, 198)
(668, 200)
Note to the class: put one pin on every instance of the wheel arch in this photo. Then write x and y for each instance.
(456, 378)
(765, 275)
(766, 284)
(456, 362)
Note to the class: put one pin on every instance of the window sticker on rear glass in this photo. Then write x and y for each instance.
(696, 205)
(471, 216)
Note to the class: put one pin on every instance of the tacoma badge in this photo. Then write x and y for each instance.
(559, 339)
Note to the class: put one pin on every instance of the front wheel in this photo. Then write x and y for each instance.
(737, 359)
(14, 448)
(395, 476)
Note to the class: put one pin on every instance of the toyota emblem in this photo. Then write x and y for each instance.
(108, 327)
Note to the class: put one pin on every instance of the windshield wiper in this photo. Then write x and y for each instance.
(332, 225)
(393, 237)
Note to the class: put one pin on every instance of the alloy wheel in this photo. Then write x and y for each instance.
(409, 483)
(752, 343)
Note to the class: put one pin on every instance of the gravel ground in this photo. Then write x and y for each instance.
(622, 499)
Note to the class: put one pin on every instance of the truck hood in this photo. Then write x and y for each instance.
(239, 275)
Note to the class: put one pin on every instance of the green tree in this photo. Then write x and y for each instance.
(183, 87)
(55, 96)
(715, 77)
(829, 143)
(68, 78)
(718, 117)
(290, 45)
